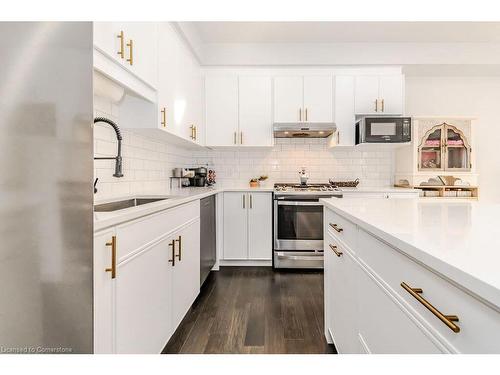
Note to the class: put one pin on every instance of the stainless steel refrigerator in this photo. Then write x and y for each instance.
(46, 193)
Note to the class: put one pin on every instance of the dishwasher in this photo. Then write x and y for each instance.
(207, 237)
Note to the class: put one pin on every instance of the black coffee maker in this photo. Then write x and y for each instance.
(200, 177)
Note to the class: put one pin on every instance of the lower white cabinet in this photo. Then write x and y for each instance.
(247, 226)
(376, 296)
(139, 305)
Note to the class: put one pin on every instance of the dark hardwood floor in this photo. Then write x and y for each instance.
(255, 310)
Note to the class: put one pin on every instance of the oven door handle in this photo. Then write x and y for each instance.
(299, 257)
(301, 203)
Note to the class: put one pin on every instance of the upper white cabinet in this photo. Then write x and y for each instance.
(238, 111)
(303, 99)
(133, 45)
(344, 111)
(379, 94)
(255, 111)
(221, 96)
(247, 226)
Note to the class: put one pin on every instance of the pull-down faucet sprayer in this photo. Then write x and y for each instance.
(118, 157)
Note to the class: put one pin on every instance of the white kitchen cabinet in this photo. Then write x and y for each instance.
(288, 99)
(133, 45)
(247, 226)
(344, 111)
(341, 303)
(221, 95)
(103, 293)
(260, 226)
(186, 271)
(384, 327)
(139, 309)
(379, 95)
(303, 99)
(318, 99)
(255, 111)
(235, 226)
(143, 302)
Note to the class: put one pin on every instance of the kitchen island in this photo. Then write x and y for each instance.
(412, 276)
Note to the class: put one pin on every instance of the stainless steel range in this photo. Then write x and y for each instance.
(298, 224)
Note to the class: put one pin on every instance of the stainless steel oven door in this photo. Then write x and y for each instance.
(298, 225)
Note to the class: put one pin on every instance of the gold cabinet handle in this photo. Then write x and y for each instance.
(179, 240)
(300, 114)
(164, 117)
(251, 203)
(243, 196)
(306, 114)
(241, 138)
(121, 52)
(195, 133)
(113, 257)
(334, 248)
(172, 245)
(234, 137)
(336, 227)
(446, 319)
(376, 105)
(130, 46)
(382, 102)
(192, 131)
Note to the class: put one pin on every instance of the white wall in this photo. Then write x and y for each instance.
(284, 160)
(465, 96)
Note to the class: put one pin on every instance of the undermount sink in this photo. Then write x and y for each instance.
(127, 203)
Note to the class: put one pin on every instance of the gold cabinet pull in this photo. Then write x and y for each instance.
(192, 131)
(251, 203)
(376, 105)
(382, 102)
(446, 319)
(234, 137)
(243, 196)
(306, 114)
(113, 257)
(334, 248)
(130, 46)
(179, 240)
(195, 133)
(241, 138)
(164, 117)
(172, 245)
(300, 114)
(336, 227)
(121, 52)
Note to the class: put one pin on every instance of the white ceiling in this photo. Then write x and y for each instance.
(348, 32)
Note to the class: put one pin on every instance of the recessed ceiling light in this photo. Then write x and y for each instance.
(321, 132)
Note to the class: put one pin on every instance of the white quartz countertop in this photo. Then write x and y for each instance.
(379, 190)
(456, 238)
(176, 197)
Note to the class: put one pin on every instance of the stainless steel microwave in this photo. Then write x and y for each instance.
(383, 130)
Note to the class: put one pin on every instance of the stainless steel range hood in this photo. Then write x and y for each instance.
(304, 130)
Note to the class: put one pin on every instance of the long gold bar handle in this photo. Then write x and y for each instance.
(251, 203)
(121, 52)
(376, 105)
(334, 248)
(382, 105)
(195, 133)
(243, 196)
(306, 114)
(336, 227)
(164, 117)
(113, 257)
(300, 114)
(172, 245)
(179, 240)
(241, 138)
(192, 131)
(234, 137)
(130, 46)
(446, 319)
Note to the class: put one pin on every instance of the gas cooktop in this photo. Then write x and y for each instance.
(291, 187)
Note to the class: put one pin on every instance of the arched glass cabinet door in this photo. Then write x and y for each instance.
(430, 150)
(457, 149)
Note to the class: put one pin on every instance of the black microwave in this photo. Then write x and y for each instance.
(383, 130)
